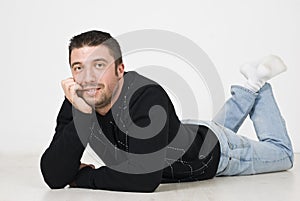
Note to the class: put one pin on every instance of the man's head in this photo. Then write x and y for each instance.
(95, 38)
(96, 65)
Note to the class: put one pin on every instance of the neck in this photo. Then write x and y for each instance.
(104, 110)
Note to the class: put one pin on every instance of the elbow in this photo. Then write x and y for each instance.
(54, 185)
(50, 175)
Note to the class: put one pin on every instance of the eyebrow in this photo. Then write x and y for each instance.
(98, 59)
(75, 63)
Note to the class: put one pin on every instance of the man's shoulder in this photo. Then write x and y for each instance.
(137, 84)
(134, 76)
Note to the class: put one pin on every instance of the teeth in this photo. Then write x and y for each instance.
(91, 92)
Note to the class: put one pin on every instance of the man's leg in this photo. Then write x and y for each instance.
(275, 146)
(273, 152)
(236, 150)
(236, 109)
(241, 155)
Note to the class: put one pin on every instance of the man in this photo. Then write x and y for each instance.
(130, 122)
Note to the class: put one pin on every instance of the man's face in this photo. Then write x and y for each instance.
(93, 68)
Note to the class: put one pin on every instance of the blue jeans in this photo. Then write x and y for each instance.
(241, 155)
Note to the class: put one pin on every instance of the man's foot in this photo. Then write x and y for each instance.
(270, 67)
(258, 74)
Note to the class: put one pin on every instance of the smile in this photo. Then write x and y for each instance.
(91, 91)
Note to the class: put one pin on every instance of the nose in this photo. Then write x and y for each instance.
(87, 76)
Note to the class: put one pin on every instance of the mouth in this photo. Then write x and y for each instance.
(91, 91)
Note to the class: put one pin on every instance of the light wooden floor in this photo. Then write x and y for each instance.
(20, 180)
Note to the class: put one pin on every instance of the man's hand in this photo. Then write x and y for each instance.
(82, 165)
(70, 87)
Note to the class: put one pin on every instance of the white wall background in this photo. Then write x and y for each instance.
(35, 34)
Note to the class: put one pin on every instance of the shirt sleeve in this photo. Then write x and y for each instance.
(142, 172)
(60, 161)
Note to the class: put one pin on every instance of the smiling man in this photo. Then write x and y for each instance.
(89, 65)
(131, 123)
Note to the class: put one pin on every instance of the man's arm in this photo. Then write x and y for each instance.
(61, 160)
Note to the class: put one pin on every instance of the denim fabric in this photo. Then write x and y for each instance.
(241, 155)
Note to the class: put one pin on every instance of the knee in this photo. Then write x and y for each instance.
(291, 157)
(288, 162)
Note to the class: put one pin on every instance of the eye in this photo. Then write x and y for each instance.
(99, 65)
(77, 68)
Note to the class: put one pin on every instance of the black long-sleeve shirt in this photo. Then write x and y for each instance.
(141, 141)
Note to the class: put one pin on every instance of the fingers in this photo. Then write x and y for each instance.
(82, 165)
(92, 166)
(67, 83)
(76, 87)
(70, 88)
(68, 80)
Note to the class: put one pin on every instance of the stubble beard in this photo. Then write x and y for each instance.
(103, 101)
(99, 101)
(104, 98)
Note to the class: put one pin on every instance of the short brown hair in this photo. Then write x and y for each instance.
(95, 38)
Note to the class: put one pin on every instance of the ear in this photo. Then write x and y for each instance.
(120, 70)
